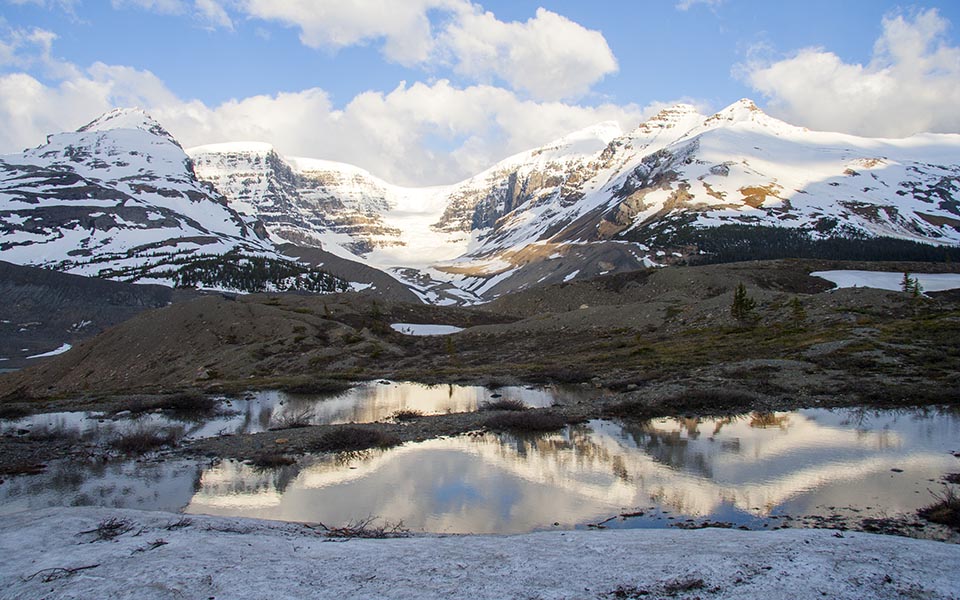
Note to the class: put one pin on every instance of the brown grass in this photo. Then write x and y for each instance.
(407, 414)
(946, 509)
(503, 404)
(525, 421)
(349, 438)
(145, 440)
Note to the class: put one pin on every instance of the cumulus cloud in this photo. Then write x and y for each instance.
(404, 27)
(414, 134)
(548, 57)
(911, 84)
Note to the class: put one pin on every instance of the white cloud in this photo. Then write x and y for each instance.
(210, 12)
(912, 83)
(549, 56)
(169, 7)
(395, 134)
(333, 24)
(32, 49)
(418, 134)
(688, 4)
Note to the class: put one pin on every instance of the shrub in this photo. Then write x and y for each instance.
(407, 415)
(145, 440)
(294, 420)
(946, 509)
(316, 386)
(503, 404)
(525, 421)
(347, 438)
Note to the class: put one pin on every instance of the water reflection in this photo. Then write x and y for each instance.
(260, 411)
(745, 469)
(737, 470)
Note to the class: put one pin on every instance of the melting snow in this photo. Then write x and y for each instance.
(59, 350)
(206, 557)
(424, 329)
(931, 282)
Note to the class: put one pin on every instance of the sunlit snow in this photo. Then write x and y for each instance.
(424, 329)
(930, 282)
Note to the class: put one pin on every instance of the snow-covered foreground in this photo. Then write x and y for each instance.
(931, 282)
(242, 558)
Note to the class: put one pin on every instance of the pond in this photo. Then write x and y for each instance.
(756, 470)
(259, 411)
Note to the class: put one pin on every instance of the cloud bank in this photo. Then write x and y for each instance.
(910, 85)
(419, 134)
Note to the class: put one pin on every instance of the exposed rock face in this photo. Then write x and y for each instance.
(298, 200)
(117, 198)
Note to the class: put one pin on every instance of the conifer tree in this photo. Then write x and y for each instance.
(743, 305)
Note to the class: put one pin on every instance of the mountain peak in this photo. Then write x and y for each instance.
(743, 110)
(127, 118)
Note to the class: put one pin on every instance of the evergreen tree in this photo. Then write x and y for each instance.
(906, 284)
(743, 305)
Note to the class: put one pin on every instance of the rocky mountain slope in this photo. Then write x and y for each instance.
(600, 201)
(118, 199)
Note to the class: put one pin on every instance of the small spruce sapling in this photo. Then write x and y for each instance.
(906, 282)
(743, 305)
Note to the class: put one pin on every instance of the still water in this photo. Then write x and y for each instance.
(746, 470)
(259, 411)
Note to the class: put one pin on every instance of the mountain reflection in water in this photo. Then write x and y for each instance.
(734, 469)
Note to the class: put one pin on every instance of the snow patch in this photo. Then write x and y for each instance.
(59, 350)
(202, 553)
(931, 282)
(424, 329)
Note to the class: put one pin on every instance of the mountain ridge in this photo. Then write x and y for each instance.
(594, 201)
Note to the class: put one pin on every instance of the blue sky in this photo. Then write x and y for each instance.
(437, 89)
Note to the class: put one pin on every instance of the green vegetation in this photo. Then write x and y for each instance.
(734, 243)
(743, 305)
(256, 274)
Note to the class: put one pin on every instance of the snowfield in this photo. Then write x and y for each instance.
(59, 350)
(209, 557)
(931, 282)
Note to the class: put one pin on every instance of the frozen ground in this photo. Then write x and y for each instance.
(241, 558)
(931, 282)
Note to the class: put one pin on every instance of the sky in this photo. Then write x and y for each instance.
(424, 92)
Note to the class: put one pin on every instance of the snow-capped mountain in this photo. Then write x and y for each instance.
(118, 198)
(600, 200)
